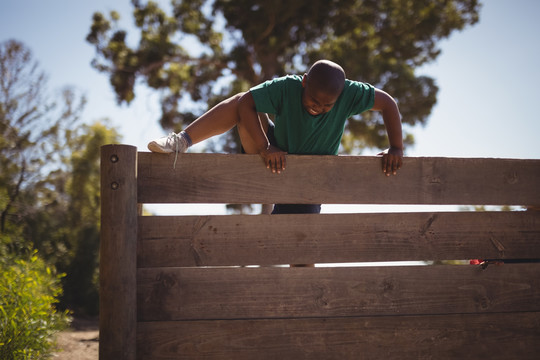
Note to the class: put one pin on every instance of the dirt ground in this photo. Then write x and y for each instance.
(80, 342)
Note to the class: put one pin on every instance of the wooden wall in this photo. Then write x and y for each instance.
(193, 296)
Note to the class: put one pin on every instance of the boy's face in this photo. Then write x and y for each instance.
(316, 101)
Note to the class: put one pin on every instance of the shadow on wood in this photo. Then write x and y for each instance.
(176, 287)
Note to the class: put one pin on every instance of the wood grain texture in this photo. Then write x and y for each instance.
(333, 238)
(118, 252)
(482, 336)
(170, 287)
(242, 293)
(220, 178)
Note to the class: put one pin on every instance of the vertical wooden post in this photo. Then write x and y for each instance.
(118, 253)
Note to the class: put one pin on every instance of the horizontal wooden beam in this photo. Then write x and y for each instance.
(243, 179)
(484, 336)
(329, 238)
(244, 293)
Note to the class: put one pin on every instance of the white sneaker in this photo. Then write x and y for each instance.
(169, 144)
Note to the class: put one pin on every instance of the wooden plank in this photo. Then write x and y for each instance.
(118, 252)
(484, 336)
(220, 178)
(241, 293)
(330, 238)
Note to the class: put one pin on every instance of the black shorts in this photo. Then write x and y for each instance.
(289, 208)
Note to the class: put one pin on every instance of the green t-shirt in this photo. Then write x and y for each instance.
(299, 132)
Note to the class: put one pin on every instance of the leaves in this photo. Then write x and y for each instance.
(49, 183)
(205, 49)
(31, 131)
(28, 292)
(66, 229)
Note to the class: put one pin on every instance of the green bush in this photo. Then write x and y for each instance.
(28, 319)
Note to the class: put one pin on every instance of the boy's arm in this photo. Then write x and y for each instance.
(273, 157)
(393, 156)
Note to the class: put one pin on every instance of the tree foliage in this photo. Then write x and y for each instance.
(49, 183)
(66, 228)
(29, 291)
(32, 128)
(82, 219)
(205, 51)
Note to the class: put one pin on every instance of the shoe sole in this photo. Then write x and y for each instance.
(154, 147)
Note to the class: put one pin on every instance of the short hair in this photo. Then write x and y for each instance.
(326, 76)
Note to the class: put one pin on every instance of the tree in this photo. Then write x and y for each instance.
(65, 229)
(205, 51)
(32, 129)
(49, 183)
(82, 218)
(32, 125)
(29, 290)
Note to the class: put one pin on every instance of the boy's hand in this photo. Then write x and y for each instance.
(392, 159)
(274, 158)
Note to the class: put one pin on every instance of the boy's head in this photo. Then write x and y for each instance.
(323, 83)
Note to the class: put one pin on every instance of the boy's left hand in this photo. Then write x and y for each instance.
(392, 159)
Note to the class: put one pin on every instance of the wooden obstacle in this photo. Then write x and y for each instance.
(176, 287)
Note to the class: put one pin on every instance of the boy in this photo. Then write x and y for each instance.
(310, 114)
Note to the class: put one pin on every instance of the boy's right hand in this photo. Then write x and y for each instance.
(274, 158)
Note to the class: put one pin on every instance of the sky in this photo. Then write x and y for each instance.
(488, 77)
